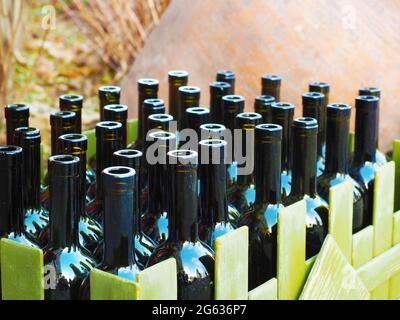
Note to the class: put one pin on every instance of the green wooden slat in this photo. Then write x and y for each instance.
(106, 286)
(396, 158)
(309, 264)
(383, 218)
(231, 265)
(395, 281)
(291, 251)
(341, 216)
(363, 242)
(22, 271)
(332, 277)
(267, 291)
(381, 268)
(159, 282)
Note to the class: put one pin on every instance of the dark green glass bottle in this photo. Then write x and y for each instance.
(118, 113)
(245, 192)
(148, 107)
(337, 159)
(144, 246)
(376, 92)
(282, 114)
(263, 221)
(304, 183)
(108, 95)
(217, 91)
(17, 116)
(324, 88)
(232, 105)
(90, 231)
(73, 103)
(363, 166)
(176, 79)
(64, 253)
(188, 97)
(61, 122)
(195, 260)
(195, 117)
(36, 217)
(11, 197)
(313, 107)
(229, 77)
(214, 211)
(271, 86)
(262, 105)
(155, 220)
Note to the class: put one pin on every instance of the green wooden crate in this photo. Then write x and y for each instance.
(367, 263)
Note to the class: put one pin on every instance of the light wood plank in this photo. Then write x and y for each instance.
(362, 246)
(267, 291)
(395, 280)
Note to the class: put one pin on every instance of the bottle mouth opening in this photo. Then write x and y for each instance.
(119, 172)
(10, 149)
(71, 97)
(368, 98)
(265, 97)
(269, 127)
(226, 73)
(18, 106)
(28, 130)
(178, 73)
(272, 77)
(220, 84)
(64, 159)
(116, 107)
(314, 95)
(233, 98)
(198, 110)
(189, 89)
(215, 143)
(110, 89)
(109, 124)
(213, 127)
(162, 135)
(149, 81)
(183, 154)
(129, 153)
(305, 122)
(164, 117)
(64, 114)
(74, 137)
(340, 106)
(249, 115)
(282, 105)
(319, 84)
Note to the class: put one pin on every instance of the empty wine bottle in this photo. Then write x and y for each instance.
(176, 79)
(36, 217)
(324, 88)
(262, 105)
(108, 140)
(232, 105)
(11, 197)
(108, 95)
(117, 113)
(73, 103)
(17, 116)
(195, 260)
(195, 117)
(149, 107)
(245, 192)
(63, 254)
(337, 155)
(214, 211)
(147, 90)
(282, 114)
(363, 166)
(217, 91)
(304, 184)
(313, 107)
(263, 221)
(155, 220)
(144, 246)
(188, 97)
(376, 92)
(90, 231)
(271, 86)
(229, 77)
(61, 122)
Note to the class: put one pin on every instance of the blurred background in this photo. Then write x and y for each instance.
(48, 48)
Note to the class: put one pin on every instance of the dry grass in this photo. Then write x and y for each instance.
(11, 18)
(117, 29)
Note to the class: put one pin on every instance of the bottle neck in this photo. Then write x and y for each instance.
(305, 167)
(173, 98)
(118, 225)
(13, 123)
(213, 196)
(337, 145)
(57, 130)
(365, 135)
(157, 195)
(64, 210)
(315, 110)
(31, 175)
(284, 118)
(183, 203)
(268, 170)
